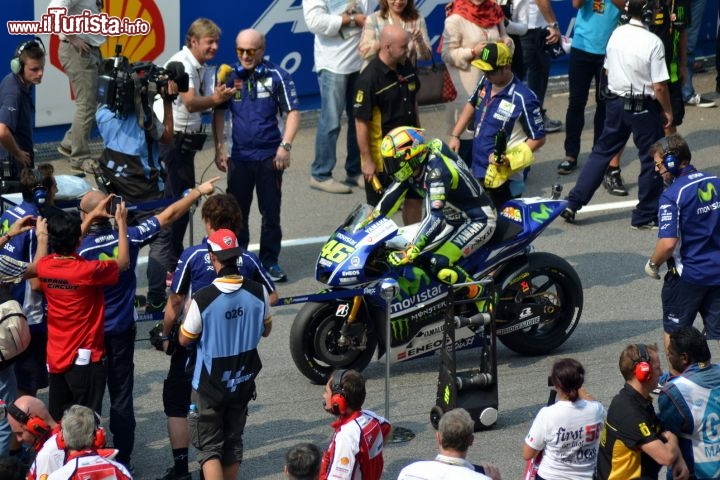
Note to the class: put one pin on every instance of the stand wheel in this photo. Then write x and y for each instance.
(436, 414)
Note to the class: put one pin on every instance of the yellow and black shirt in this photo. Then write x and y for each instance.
(631, 422)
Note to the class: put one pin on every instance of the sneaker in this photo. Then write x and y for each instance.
(329, 186)
(614, 184)
(651, 225)
(276, 273)
(551, 125)
(77, 165)
(64, 151)
(90, 166)
(356, 181)
(568, 214)
(567, 166)
(171, 475)
(153, 307)
(698, 101)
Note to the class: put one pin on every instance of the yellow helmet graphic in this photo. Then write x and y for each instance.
(404, 150)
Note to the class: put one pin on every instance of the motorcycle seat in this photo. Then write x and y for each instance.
(505, 229)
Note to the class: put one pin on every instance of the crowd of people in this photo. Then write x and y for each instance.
(74, 274)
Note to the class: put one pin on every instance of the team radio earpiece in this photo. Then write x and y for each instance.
(99, 439)
(669, 158)
(643, 369)
(338, 403)
(35, 425)
(39, 191)
(16, 64)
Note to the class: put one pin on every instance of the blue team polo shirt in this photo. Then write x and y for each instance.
(690, 211)
(594, 23)
(120, 312)
(16, 111)
(514, 103)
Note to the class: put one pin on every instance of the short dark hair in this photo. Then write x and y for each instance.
(303, 461)
(690, 341)
(456, 430)
(63, 232)
(353, 389)
(568, 375)
(223, 211)
(675, 143)
(31, 178)
(635, 7)
(34, 52)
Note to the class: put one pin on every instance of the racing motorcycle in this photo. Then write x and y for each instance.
(538, 300)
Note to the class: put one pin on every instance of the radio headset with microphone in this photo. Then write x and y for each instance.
(260, 71)
(669, 158)
(338, 403)
(642, 368)
(39, 191)
(16, 63)
(35, 425)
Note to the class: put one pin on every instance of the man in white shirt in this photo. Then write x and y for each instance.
(336, 26)
(454, 437)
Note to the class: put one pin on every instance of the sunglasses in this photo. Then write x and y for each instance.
(250, 51)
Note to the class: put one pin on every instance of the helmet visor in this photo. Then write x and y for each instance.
(398, 168)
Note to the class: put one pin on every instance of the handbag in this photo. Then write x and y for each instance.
(436, 85)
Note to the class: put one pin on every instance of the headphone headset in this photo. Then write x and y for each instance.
(39, 191)
(16, 63)
(35, 425)
(260, 70)
(338, 403)
(642, 367)
(669, 158)
(99, 438)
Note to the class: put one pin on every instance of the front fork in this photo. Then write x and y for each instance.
(347, 332)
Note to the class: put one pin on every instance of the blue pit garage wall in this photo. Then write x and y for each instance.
(288, 42)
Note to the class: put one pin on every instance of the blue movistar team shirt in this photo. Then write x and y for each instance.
(120, 312)
(22, 247)
(689, 210)
(689, 407)
(195, 270)
(261, 98)
(515, 108)
(594, 22)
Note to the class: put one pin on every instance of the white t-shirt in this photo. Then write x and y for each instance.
(442, 468)
(201, 79)
(568, 433)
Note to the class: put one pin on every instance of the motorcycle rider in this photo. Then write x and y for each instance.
(452, 197)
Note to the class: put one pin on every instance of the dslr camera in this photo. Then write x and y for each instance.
(122, 82)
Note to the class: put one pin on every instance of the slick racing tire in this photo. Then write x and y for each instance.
(314, 343)
(547, 284)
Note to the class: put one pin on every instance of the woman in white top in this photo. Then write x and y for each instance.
(567, 432)
(469, 25)
(396, 12)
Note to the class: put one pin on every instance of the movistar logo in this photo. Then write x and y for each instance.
(708, 193)
(541, 215)
(5, 226)
(400, 328)
(114, 256)
(411, 284)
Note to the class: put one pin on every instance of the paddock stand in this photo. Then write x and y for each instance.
(475, 389)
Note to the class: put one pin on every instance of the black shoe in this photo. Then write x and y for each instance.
(567, 166)
(171, 475)
(568, 214)
(651, 225)
(614, 184)
(276, 273)
(152, 307)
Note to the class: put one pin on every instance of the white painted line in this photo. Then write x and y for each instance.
(299, 242)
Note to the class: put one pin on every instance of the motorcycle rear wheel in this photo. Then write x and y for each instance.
(314, 343)
(548, 280)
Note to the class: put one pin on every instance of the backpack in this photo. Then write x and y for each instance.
(14, 330)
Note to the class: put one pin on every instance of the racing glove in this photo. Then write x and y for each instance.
(403, 257)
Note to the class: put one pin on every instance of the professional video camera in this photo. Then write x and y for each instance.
(123, 84)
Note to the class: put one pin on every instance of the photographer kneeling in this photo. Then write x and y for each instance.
(129, 165)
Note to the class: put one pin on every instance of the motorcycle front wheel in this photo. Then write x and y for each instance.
(314, 345)
(549, 285)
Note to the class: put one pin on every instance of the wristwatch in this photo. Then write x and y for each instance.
(287, 146)
(352, 21)
(554, 25)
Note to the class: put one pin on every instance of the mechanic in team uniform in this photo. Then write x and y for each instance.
(452, 196)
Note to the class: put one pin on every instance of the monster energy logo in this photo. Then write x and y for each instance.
(400, 328)
(708, 193)
(446, 395)
(410, 286)
(541, 215)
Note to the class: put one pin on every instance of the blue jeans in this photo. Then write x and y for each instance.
(246, 178)
(697, 8)
(537, 61)
(8, 392)
(583, 67)
(337, 93)
(646, 129)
